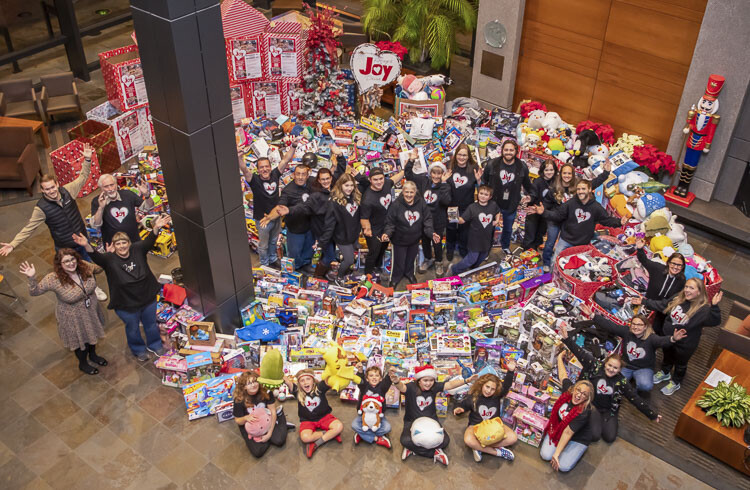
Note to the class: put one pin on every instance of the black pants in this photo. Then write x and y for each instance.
(603, 425)
(457, 236)
(428, 246)
(534, 231)
(403, 261)
(375, 251)
(658, 323)
(409, 444)
(278, 437)
(676, 358)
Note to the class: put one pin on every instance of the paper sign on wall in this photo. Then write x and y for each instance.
(246, 62)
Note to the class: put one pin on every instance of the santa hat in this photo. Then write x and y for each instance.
(436, 165)
(426, 371)
(407, 81)
(376, 399)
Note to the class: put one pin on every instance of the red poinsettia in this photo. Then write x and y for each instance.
(533, 105)
(604, 131)
(655, 161)
(396, 47)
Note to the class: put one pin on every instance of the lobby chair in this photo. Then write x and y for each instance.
(729, 338)
(17, 99)
(19, 159)
(60, 96)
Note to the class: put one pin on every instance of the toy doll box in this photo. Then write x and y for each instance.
(205, 397)
(132, 128)
(529, 426)
(201, 333)
(68, 161)
(123, 77)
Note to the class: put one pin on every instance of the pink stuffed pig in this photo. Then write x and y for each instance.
(259, 427)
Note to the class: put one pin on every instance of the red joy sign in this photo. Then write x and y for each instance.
(373, 67)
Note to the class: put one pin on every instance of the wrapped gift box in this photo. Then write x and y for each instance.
(102, 138)
(245, 58)
(240, 19)
(132, 129)
(239, 94)
(265, 97)
(290, 102)
(284, 48)
(123, 77)
(67, 162)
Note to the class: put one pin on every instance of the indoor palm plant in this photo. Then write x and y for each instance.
(729, 403)
(427, 27)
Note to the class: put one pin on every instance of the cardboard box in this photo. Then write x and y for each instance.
(245, 58)
(284, 49)
(102, 138)
(434, 108)
(68, 161)
(132, 129)
(266, 98)
(123, 78)
(201, 333)
(290, 101)
(238, 95)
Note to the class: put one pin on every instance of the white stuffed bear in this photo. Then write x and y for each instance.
(598, 154)
(535, 119)
(551, 122)
(676, 232)
(634, 177)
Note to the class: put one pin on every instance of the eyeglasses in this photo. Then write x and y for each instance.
(581, 391)
(68, 261)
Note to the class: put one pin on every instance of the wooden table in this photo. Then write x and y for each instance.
(705, 432)
(36, 126)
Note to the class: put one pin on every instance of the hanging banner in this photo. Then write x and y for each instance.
(373, 67)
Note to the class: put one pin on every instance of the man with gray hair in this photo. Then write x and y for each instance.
(116, 209)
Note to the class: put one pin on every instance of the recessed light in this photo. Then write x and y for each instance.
(102, 12)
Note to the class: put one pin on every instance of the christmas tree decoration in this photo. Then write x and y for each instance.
(324, 93)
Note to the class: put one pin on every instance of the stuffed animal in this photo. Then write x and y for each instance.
(551, 122)
(656, 225)
(555, 147)
(647, 204)
(625, 180)
(535, 119)
(272, 370)
(337, 373)
(676, 232)
(371, 411)
(260, 425)
(659, 243)
(586, 139)
(489, 432)
(427, 433)
(597, 154)
(621, 206)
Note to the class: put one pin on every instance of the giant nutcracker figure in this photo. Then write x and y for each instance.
(701, 126)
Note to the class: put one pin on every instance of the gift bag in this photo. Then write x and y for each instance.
(68, 161)
(102, 138)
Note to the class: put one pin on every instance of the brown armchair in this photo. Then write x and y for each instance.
(17, 99)
(19, 158)
(60, 95)
(729, 336)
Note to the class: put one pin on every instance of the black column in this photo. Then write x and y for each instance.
(182, 50)
(66, 16)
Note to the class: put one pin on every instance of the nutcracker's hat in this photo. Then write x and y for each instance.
(715, 83)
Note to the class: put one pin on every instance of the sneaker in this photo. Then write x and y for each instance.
(506, 454)
(159, 352)
(507, 251)
(661, 376)
(357, 438)
(426, 265)
(310, 449)
(290, 426)
(439, 269)
(477, 455)
(383, 441)
(440, 457)
(100, 295)
(338, 439)
(405, 454)
(143, 356)
(546, 269)
(670, 388)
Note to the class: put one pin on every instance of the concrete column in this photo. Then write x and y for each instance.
(487, 88)
(183, 56)
(722, 48)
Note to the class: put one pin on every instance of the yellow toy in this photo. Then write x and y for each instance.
(337, 373)
(489, 432)
(659, 243)
(620, 204)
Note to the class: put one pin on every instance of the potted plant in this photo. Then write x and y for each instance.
(730, 404)
(426, 27)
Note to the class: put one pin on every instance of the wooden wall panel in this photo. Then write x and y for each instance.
(587, 17)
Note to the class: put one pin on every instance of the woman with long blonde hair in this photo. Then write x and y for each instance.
(689, 310)
(342, 224)
(568, 432)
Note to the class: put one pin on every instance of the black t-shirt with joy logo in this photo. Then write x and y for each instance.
(120, 216)
(421, 403)
(265, 193)
(315, 406)
(375, 206)
(481, 229)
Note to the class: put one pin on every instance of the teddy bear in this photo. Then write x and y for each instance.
(535, 119)
(551, 122)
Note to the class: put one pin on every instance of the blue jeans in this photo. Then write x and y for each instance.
(553, 231)
(471, 260)
(644, 378)
(508, 218)
(132, 320)
(268, 239)
(368, 435)
(299, 246)
(561, 245)
(328, 254)
(569, 457)
(81, 251)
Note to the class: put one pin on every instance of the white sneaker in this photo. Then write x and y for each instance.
(100, 295)
(477, 455)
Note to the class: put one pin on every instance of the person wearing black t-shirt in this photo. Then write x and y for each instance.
(299, 238)
(374, 386)
(465, 174)
(117, 209)
(535, 226)
(568, 431)
(482, 217)
(132, 286)
(421, 396)
(375, 202)
(266, 185)
(506, 175)
(342, 224)
(663, 281)
(484, 403)
(317, 423)
(249, 395)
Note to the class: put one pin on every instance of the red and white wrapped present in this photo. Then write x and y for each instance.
(239, 19)
(239, 94)
(245, 58)
(102, 138)
(123, 77)
(68, 161)
(284, 50)
(265, 96)
(132, 129)
(291, 101)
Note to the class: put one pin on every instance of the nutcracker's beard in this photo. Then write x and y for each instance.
(710, 106)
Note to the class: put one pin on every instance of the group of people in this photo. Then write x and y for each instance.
(333, 208)
(133, 287)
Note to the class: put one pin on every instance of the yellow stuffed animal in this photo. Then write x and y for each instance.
(620, 203)
(659, 243)
(337, 374)
(490, 431)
